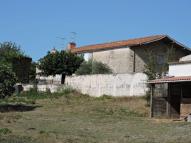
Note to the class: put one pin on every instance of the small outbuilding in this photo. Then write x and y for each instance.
(171, 96)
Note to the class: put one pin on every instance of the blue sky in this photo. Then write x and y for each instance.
(36, 24)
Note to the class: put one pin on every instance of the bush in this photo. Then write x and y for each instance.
(93, 67)
(4, 131)
(7, 81)
(66, 90)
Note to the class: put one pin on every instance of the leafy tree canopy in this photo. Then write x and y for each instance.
(60, 62)
(7, 81)
(8, 51)
(12, 56)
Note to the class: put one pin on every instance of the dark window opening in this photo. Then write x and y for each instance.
(186, 90)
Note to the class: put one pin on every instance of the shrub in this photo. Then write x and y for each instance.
(66, 90)
(7, 81)
(93, 67)
(4, 131)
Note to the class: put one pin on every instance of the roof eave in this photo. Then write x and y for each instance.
(101, 49)
(178, 43)
(79, 51)
(160, 82)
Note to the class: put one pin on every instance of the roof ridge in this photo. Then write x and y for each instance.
(126, 43)
(131, 39)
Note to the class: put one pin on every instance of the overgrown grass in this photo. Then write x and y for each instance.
(71, 117)
(34, 94)
(4, 131)
(30, 97)
(16, 139)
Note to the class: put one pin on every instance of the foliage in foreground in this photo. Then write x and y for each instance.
(93, 67)
(14, 57)
(7, 81)
(8, 51)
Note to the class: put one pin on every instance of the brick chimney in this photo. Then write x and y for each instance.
(71, 45)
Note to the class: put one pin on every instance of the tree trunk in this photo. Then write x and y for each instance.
(63, 78)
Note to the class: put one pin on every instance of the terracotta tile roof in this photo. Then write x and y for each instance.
(171, 79)
(118, 44)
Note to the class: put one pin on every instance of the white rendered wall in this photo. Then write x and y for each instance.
(110, 84)
(180, 69)
(97, 85)
(43, 87)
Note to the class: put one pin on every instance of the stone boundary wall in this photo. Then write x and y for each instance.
(43, 87)
(109, 84)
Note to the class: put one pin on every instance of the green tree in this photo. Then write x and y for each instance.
(93, 67)
(14, 57)
(7, 81)
(60, 62)
(8, 51)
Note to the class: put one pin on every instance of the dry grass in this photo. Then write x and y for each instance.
(76, 118)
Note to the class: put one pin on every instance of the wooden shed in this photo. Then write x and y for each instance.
(171, 97)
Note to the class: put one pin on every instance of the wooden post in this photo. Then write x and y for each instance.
(151, 100)
(168, 100)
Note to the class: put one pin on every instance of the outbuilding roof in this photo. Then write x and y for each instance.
(171, 79)
(125, 43)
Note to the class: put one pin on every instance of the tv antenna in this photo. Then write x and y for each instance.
(63, 41)
(73, 37)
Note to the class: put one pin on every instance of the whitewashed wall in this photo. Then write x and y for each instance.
(43, 87)
(114, 85)
(180, 69)
(50, 79)
(51, 83)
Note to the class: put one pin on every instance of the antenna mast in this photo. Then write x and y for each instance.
(73, 37)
